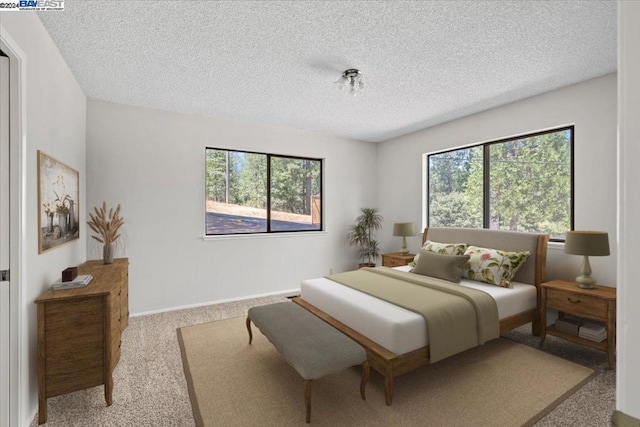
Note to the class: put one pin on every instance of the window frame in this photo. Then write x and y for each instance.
(268, 194)
(486, 160)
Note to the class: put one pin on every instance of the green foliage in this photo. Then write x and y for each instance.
(455, 189)
(250, 181)
(529, 182)
(454, 210)
(362, 234)
(241, 178)
(217, 163)
(293, 183)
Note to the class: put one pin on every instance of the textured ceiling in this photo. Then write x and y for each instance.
(274, 63)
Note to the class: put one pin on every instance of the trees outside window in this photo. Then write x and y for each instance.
(455, 177)
(518, 184)
(250, 192)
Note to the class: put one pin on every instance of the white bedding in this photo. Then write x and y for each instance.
(395, 328)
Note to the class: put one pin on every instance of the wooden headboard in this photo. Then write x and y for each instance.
(532, 271)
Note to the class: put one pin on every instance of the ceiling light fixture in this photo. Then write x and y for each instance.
(351, 79)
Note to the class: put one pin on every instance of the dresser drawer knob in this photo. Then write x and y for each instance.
(575, 301)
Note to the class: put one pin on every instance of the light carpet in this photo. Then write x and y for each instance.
(502, 383)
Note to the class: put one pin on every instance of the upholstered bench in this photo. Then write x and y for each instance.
(311, 346)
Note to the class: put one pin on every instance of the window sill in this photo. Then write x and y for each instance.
(556, 246)
(263, 235)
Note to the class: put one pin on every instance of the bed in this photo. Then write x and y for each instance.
(395, 338)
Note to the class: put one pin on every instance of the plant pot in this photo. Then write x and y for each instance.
(107, 253)
(366, 264)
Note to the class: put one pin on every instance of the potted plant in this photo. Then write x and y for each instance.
(107, 227)
(362, 235)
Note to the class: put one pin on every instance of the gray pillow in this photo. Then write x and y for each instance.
(446, 267)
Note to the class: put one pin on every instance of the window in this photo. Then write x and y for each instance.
(261, 193)
(520, 184)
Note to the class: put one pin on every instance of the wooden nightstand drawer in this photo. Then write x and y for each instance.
(396, 259)
(392, 262)
(578, 304)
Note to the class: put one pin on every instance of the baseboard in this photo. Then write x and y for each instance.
(222, 301)
(620, 419)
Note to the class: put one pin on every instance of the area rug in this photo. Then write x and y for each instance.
(501, 383)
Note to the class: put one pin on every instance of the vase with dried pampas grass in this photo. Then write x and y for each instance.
(107, 227)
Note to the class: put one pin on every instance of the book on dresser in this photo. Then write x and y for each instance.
(79, 282)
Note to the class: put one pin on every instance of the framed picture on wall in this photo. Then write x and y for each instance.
(58, 203)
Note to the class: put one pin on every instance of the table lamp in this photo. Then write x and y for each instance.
(404, 229)
(586, 243)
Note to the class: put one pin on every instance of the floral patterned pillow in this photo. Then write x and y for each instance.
(493, 265)
(441, 248)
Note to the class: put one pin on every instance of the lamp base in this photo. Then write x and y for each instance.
(403, 249)
(585, 282)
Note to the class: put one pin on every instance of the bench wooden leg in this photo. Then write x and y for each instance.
(365, 378)
(307, 399)
(249, 329)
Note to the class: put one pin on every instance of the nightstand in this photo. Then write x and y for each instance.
(396, 259)
(596, 304)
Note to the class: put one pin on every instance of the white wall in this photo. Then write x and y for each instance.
(628, 369)
(152, 163)
(56, 124)
(590, 106)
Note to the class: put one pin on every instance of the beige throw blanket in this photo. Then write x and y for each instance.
(458, 318)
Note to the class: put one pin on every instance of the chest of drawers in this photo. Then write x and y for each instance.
(79, 333)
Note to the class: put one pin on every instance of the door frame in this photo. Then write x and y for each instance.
(5, 227)
(18, 357)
